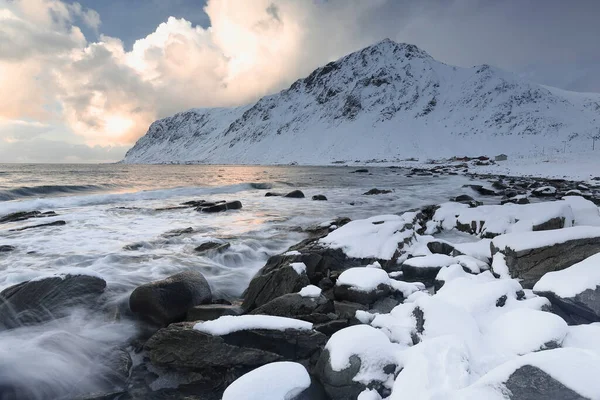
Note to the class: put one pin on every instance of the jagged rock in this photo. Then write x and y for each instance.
(38, 301)
(529, 263)
(296, 194)
(178, 232)
(209, 312)
(166, 301)
(347, 310)
(531, 383)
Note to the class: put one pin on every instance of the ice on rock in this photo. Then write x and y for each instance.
(363, 279)
(229, 324)
(310, 291)
(299, 267)
(375, 237)
(573, 280)
(275, 381)
(371, 345)
(523, 330)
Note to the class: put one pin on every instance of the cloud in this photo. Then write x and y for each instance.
(108, 95)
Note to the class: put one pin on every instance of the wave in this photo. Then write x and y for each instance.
(49, 190)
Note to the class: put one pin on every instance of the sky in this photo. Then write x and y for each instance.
(82, 81)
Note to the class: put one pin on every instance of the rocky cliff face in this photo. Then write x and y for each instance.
(386, 101)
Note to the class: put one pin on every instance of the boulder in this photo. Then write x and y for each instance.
(42, 300)
(293, 305)
(231, 205)
(319, 197)
(180, 346)
(296, 194)
(440, 247)
(530, 255)
(532, 383)
(6, 248)
(209, 312)
(166, 301)
(178, 232)
(347, 310)
(574, 292)
(217, 246)
(273, 194)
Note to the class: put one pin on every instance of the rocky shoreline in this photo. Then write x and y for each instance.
(385, 307)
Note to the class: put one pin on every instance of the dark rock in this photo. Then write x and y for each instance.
(583, 308)
(545, 191)
(6, 248)
(178, 232)
(348, 293)
(384, 305)
(293, 305)
(23, 215)
(273, 194)
(419, 274)
(515, 200)
(166, 301)
(347, 310)
(231, 205)
(180, 346)
(331, 327)
(463, 198)
(531, 264)
(295, 194)
(440, 247)
(360, 171)
(531, 383)
(209, 246)
(38, 301)
(481, 190)
(209, 312)
(376, 191)
(55, 223)
(319, 197)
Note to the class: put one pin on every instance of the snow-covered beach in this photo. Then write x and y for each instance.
(438, 286)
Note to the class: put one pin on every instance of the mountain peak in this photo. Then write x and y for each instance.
(401, 49)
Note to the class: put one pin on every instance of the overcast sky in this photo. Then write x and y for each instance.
(81, 81)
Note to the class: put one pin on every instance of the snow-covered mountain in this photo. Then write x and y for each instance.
(387, 101)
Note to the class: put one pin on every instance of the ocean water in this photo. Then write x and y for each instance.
(107, 207)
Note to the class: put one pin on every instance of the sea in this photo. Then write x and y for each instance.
(115, 228)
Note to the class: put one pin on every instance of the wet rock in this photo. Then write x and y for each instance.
(440, 247)
(42, 300)
(360, 171)
(179, 346)
(375, 191)
(482, 190)
(463, 198)
(55, 223)
(319, 197)
(293, 305)
(232, 205)
(209, 312)
(6, 248)
(24, 215)
(212, 246)
(178, 232)
(166, 301)
(296, 194)
(273, 194)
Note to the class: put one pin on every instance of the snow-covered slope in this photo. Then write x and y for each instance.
(387, 101)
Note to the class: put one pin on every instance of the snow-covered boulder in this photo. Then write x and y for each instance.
(557, 374)
(522, 330)
(575, 291)
(355, 358)
(246, 341)
(426, 267)
(362, 285)
(282, 380)
(530, 255)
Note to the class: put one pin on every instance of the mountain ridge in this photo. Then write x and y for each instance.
(387, 101)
